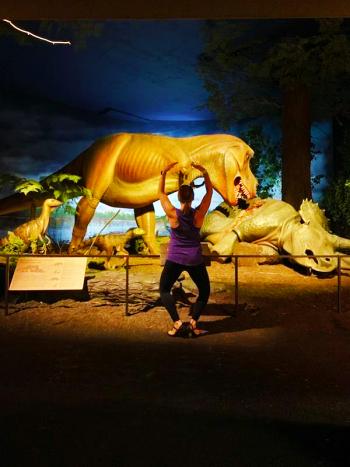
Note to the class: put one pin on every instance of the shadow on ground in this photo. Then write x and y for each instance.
(117, 402)
(132, 434)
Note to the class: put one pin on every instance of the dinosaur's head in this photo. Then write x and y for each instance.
(52, 203)
(308, 235)
(231, 175)
(309, 240)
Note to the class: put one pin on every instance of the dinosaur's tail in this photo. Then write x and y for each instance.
(17, 202)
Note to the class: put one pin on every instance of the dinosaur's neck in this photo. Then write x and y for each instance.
(44, 217)
(285, 232)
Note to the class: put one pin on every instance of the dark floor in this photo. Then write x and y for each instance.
(113, 402)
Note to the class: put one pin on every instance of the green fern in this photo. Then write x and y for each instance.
(15, 245)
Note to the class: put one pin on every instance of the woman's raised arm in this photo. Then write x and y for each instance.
(202, 209)
(163, 197)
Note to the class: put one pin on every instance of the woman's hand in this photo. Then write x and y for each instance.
(168, 167)
(199, 167)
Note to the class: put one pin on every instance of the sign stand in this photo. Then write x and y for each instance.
(46, 273)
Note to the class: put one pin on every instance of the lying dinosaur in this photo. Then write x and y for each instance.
(280, 229)
(112, 243)
(35, 229)
(123, 170)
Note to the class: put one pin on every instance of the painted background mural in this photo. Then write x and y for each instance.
(117, 76)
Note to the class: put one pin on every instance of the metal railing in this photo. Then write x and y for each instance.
(234, 259)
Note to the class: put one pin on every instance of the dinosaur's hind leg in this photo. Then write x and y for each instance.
(84, 213)
(146, 220)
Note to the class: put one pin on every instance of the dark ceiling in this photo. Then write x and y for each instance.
(153, 9)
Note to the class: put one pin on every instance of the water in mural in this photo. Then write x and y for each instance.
(60, 229)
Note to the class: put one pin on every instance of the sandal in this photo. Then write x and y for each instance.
(175, 329)
(194, 330)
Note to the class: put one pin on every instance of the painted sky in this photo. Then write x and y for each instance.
(61, 93)
(137, 76)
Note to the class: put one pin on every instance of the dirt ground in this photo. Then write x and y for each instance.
(83, 384)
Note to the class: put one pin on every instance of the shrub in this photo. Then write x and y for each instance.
(336, 202)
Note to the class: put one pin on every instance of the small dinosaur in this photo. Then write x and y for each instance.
(112, 243)
(35, 229)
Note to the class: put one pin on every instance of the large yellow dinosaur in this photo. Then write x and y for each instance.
(123, 170)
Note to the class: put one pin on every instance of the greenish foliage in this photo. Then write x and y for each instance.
(28, 186)
(59, 186)
(15, 245)
(63, 187)
(136, 246)
(68, 208)
(266, 163)
(244, 73)
(43, 246)
(125, 216)
(225, 67)
(336, 202)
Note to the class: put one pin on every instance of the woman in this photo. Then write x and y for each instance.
(184, 250)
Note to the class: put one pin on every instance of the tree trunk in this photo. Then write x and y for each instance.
(296, 145)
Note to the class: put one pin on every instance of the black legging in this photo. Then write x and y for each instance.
(170, 274)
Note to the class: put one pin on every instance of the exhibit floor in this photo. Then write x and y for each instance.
(84, 385)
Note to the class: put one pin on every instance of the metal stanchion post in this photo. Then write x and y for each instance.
(7, 283)
(339, 284)
(236, 283)
(127, 287)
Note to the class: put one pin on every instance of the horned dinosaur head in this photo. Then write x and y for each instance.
(311, 213)
(310, 236)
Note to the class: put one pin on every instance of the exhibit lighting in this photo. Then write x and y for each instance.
(35, 36)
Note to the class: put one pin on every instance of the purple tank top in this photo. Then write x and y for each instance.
(185, 244)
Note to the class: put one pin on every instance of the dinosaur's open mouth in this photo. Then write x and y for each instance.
(241, 191)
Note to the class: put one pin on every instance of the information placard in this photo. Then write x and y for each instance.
(50, 273)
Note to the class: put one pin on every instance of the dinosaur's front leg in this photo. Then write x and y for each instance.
(146, 220)
(84, 213)
(223, 245)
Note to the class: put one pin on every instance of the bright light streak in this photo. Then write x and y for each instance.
(35, 36)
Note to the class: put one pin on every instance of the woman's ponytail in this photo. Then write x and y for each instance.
(186, 195)
(187, 208)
